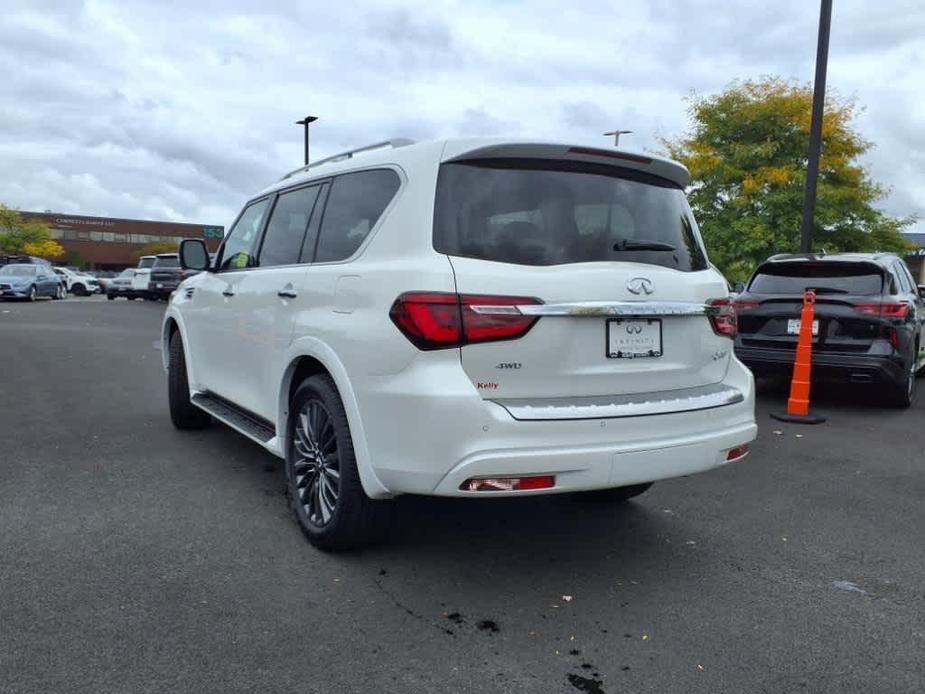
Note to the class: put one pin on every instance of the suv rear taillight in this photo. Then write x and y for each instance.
(743, 305)
(434, 320)
(723, 317)
(885, 310)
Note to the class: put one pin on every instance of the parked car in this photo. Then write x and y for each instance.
(143, 275)
(77, 282)
(166, 275)
(121, 286)
(868, 320)
(29, 281)
(467, 318)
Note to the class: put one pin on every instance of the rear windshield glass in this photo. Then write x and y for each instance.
(145, 262)
(821, 277)
(166, 262)
(18, 270)
(536, 212)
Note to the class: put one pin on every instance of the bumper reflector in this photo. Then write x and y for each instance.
(508, 484)
(737, 452)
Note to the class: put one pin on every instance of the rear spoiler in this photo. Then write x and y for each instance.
(657, 166)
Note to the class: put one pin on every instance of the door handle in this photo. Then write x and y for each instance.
(228, 291)
(287, 292)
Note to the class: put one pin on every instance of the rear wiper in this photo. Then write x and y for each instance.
(628, 245)
(827, 290)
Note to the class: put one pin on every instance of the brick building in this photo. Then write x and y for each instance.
(108, 243)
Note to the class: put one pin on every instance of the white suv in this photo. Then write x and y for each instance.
(469, 318)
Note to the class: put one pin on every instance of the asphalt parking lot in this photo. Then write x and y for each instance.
(136, 558)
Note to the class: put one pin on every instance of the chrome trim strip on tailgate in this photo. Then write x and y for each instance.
(602, 308)
(613, 406)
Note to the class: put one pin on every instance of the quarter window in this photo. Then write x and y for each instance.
(241, 242)
(282, 241)
(355, 203)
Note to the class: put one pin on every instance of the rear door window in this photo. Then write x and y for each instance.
(832, 278)
(285, 234)
(355, 203)
(536, 212)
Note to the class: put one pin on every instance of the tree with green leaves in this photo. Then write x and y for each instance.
(747, 154)
(26, 237)
(154, 248)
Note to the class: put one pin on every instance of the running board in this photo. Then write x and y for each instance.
(239, 419)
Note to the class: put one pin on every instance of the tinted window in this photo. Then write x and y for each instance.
(282, 241)
(795, 278)
(166, 262)
(355, 203)
(20, 270)
(903, 275)
(241, 242)
(531, 212)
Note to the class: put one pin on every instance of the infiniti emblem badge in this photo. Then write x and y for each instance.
(640, 285)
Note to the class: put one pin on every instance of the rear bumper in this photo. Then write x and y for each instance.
(827, 366)
(428, 430)
(161, 289)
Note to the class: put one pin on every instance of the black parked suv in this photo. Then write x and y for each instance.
(868, 322)
(166, 274)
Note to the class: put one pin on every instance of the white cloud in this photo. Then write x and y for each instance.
(140, 108)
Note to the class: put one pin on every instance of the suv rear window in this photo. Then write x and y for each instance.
(538, 212)
(795, 278)
(166, 262)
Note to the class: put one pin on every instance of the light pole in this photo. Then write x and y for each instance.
(815, 128)
(307, 121)
(616, 136)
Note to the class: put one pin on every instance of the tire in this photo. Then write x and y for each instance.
(321, 466)
(110, 297)
(615, 495)
(79, 290)
(902, 394)
(183, 413)
(33, 294)
(131, 298)
(60, 292)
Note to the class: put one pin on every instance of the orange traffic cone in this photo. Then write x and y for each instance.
(798, 403)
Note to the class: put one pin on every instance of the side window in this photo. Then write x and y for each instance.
(355, 203)
(896, 280)
(241, 242)
(282, 241)
(905, 278)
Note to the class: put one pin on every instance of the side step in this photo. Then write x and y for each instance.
(249, 424)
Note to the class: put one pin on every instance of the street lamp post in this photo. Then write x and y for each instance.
(616, 136)
(815, 129)
(307, 121)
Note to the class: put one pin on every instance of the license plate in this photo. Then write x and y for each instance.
(793, 326)
(632, 339)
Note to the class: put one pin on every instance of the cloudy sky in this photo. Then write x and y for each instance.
(176, 110)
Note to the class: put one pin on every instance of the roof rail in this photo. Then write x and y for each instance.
(393, 143)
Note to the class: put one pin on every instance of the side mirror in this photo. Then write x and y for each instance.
(922, 291)
(194, 255)
(738, 287)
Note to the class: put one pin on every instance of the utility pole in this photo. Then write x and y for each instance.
(307, 121)
(616, 136)
(815, 130)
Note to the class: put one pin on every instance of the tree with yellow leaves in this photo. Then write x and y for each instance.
(747, 154)
(21, 237)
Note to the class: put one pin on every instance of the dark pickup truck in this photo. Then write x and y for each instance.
(166, 275)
